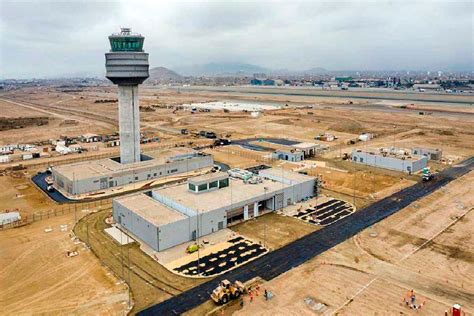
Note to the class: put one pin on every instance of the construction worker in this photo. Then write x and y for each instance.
(266, 295)
(241, 303)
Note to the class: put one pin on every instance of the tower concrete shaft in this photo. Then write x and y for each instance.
(129, 123)
(127, 66)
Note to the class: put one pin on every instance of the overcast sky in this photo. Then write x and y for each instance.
(54, 38)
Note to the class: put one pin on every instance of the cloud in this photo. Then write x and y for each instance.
(50, 38)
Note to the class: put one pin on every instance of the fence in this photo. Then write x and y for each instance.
(80, 209)
(62, 160)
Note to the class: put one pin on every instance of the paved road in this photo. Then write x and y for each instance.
(353, 93)
(303, 249)
(39, 180)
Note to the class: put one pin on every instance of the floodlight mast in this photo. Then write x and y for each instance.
(127, 66)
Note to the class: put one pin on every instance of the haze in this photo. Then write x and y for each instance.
(47, 39)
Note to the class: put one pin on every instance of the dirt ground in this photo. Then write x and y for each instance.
(37, 278)
(150, 282)
(273, 230)
(427, 247)
(438, 272)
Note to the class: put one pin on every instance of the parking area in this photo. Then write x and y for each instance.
(325, 213)
(239, 251)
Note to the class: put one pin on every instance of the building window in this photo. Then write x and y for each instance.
(191, 187)
(354, 158)
(136, 178)
(155, 174)
(213, 184)
(173, 170)
(202, 187)
(223, 183)
(361, 159)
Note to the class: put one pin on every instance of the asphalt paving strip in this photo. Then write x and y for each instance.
(326, 213)
(240, 252)
(301, 250)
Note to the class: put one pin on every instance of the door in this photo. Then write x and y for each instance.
(279, 201)
(103, 183)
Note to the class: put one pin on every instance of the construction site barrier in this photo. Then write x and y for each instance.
(80, 209)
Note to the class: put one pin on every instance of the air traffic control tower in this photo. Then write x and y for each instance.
(127, 66)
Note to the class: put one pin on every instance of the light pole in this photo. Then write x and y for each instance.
(197, 238)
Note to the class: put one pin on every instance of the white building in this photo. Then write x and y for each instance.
(166, 217)
(10, 217)
(393, 160)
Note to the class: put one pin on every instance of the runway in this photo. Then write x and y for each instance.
(298, 252)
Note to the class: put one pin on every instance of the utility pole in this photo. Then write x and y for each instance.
(197, 237)
(354, 188)
(87, 229)
(73, 191)
(129, 279)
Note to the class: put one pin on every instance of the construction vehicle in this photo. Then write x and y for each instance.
(227, 291)
(192, 248)
(426, 174)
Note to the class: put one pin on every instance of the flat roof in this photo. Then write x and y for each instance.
(306, 145)
(236, 192)
(150, 209)
(376, 152)
(88, 135)
(107, 167)
(286, 174)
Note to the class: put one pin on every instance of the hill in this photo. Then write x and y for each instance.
(162, 74)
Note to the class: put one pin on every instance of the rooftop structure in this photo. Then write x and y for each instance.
(431, 153)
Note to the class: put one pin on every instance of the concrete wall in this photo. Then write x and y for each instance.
(392, 163)
(126, 177)
(137, 225)
(171, 234)
(289, 156)
(129, 124)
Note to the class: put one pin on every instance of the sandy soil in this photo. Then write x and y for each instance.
(438, 272)
(37, 278)
(426, 247)
(273, 230)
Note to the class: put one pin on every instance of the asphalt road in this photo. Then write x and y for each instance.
(305, 248)
(39, 180)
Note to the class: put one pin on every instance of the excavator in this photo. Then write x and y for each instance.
(227, 291)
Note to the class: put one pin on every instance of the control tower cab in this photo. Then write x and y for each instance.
(126, 63)
(127, 66)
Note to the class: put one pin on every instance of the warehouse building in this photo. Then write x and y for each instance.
(397, 160)
(166, 217)
(289, 155)
(92, 176)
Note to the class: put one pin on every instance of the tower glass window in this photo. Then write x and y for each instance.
(126, 43)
